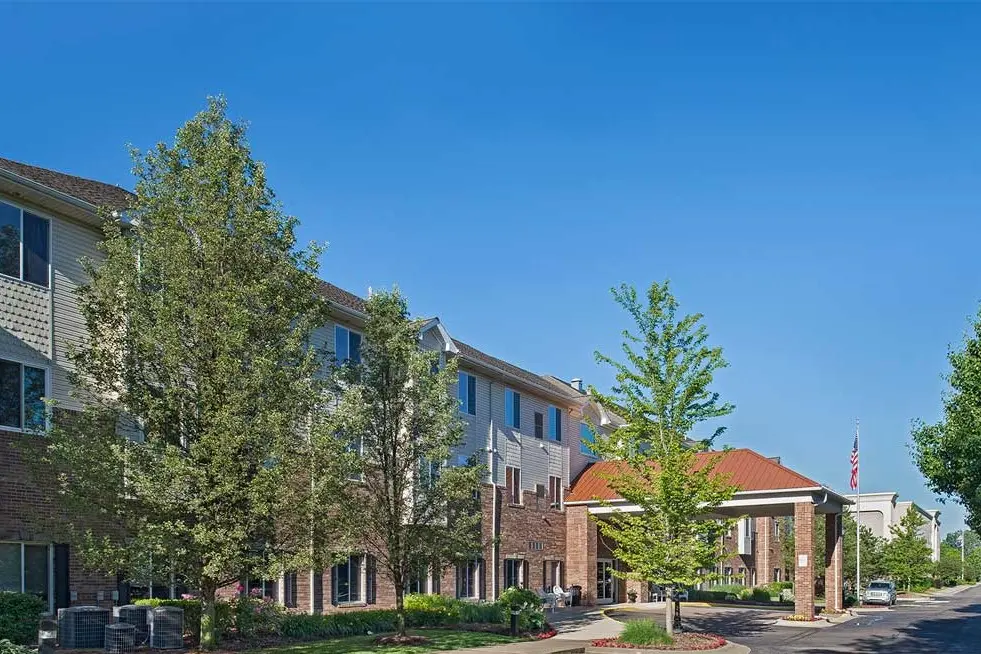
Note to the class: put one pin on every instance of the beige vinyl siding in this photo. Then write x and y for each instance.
(70, 242)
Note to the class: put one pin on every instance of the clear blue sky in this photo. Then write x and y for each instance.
(808, 176)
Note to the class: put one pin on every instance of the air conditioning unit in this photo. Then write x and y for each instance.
(83, 627)
(120, 638)
(139, 617)
(167, 627)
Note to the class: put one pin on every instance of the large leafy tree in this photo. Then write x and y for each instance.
(663, 392)
(949, 569)
(907, 555)
(197, 377)
(872, 550)
(947, 452)
(971, 540)
(397, 415)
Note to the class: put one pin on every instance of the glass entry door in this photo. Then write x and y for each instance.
(606, 586)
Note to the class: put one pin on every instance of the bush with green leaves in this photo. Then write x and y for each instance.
(432, 610)
(527, 603)
(337, 625)
(257, 616)
(481, 613)
(19, 615)
(644, 632)
(7, 647)
(760, 595)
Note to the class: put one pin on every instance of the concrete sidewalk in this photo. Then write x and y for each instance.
(576, 627)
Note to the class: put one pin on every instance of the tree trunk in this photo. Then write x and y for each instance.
(399, 610)
(669, 610)
(209, 639)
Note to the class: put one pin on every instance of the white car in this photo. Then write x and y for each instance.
(880, 591)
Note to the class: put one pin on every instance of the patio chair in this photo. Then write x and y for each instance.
(564, 596)
(549, 600)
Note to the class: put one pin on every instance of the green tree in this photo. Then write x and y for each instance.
(907, 555)
(662, 390)
(947, 452)
(947, 571)
(197, 376)
(396, 412)
(972, 542)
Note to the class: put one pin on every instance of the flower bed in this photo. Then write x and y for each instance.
(547, 632)
(797, 617)
(687, 642)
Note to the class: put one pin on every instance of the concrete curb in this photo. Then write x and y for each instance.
(820, 623)
(729, 648)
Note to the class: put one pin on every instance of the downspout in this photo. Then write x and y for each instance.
(490, 468)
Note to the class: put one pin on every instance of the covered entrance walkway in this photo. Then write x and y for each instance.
(767, 490)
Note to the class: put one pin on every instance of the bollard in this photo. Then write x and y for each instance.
(514, 622)
(677, 615)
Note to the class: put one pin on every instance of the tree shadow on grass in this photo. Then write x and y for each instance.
(728, 623)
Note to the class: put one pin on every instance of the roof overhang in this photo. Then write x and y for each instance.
(757, 503)
(49, 199)
(435, 324)
(542, 390)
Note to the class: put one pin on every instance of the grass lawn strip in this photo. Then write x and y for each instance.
(439, 639)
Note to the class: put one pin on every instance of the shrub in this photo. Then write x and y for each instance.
(19, 615)
(746, 594)
(644, 632)
(7, 647)
(432, 610)
(527, 603)
(760, 595)
(257, 616)
(481, 613)
(224, 618)
(354, 623)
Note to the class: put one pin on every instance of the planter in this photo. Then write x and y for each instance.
(683, 642)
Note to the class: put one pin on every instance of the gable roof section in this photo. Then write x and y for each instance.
(87, 190)
(746, 469)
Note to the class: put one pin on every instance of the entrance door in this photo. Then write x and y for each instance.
(606, 587)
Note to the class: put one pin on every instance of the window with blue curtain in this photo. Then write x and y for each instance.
(512, 408)
(555, 423)
(586, 439)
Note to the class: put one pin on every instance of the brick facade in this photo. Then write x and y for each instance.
(804, 559)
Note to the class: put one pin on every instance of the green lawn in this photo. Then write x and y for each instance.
(440, 640)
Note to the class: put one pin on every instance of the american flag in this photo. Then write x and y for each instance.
(854, 480)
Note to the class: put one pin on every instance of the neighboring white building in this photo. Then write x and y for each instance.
(880, 511)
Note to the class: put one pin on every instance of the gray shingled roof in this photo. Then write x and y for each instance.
(88, 190)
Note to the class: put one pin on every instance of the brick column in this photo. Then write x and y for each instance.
(761, 557)
(804, 559)
(580, 552)
(833, 561)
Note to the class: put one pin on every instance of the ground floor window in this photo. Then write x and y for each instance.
(262, 588)
(514, 573)
(776, 574)
(727, 575)
(468, 579)
(349, 579)
(26, 568)
(423, 580)
(552, 574)
(289, 590)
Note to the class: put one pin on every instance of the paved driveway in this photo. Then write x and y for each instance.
(951, 625)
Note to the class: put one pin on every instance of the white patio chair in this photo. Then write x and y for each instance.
(560, 594)
(549, 600)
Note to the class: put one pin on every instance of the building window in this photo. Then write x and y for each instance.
(355, 446)
(347, 345)
(727, 575)
(468, 579)
(514, 573)
(512, 483)
(22, 392)
(24, 568)
(552, 575)
(776, 528)
(555, 492)
(25, 241)
(512, 408)
(467, 393)
(261, 588)
(586, 439)
(555, 424)
(539, 425)
(423, 580)
(776, 574)
(290, 590)
(347, 580)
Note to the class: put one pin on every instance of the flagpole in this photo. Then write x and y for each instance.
(858, 523)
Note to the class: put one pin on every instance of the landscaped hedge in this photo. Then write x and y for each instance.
(19, 615)
(420, 611)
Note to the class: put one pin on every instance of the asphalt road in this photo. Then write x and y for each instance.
(951, 625)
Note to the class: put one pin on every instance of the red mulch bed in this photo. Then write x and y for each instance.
(690, 642)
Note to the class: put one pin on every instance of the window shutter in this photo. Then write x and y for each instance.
(61, 577)
(371, 590)
(318, 592)
(333, 585)
(483, 578)
(517, 410)
(471, 395)
(525, 582)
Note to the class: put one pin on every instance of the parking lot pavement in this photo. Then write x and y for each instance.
(952, 626)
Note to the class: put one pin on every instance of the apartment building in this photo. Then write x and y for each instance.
(530, 430)
(880, 512)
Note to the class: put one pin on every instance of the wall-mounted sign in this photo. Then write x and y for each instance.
(801, 560)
